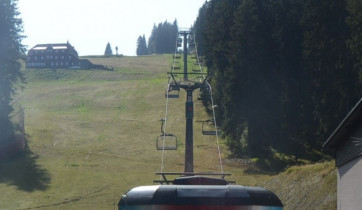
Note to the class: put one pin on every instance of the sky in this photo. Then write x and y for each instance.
(89, 25)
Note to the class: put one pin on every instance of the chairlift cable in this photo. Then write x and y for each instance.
(164, 124)
(174, 58)
(197, 56)
(217, 136)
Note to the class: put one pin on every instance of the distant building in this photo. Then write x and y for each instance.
(346, 144)
(52, 56)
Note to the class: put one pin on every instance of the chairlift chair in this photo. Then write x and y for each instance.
(203, 93)
(196, 69)
(199, 79)
(200, 95)
(166, 141)
(179, 42)
(173, 91)
(208, 128)
(175, 67)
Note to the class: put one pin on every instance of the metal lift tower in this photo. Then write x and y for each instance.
(189, 81)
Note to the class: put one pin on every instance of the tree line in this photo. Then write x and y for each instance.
(162, 40)
(284, 72)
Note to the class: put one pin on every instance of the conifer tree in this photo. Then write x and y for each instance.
(284, 73)
(11, 50)
(142, 46)
(108, 50)
(163, 38)
(354, 20)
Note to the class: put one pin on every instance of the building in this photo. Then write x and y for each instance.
(52, 56)
(346, 144)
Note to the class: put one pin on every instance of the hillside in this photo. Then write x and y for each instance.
(92, 137)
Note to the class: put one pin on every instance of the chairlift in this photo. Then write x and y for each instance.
(166, 141)
(200, 95)
(173, 91)
(208, 128)
(203, 93)
(179, 42)
(197, 69)
(176, 68)
(199, 79)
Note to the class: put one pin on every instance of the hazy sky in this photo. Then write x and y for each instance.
(90, 24)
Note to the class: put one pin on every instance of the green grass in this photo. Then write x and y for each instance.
(307, 187)
(92, 136)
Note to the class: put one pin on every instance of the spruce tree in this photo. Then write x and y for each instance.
(163, 38)
(354, 20)
(108, 50)
(141, 46)
(11, 50)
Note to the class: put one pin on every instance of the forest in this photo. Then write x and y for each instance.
(162, 40)
(284, 72)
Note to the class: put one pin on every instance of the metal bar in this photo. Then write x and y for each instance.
(184, 73)
(193, 173)
(185, 56)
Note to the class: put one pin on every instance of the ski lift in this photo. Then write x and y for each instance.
(208, 128)
(204, 93)
(196, 69)
(179, 42)
(200, 95)
(166, 141)
(173, 91)
(176, 68)
(199, 79)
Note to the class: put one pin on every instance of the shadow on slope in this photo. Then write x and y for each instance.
(23, 172)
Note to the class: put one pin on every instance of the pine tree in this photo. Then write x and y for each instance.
(200, 28)
(142, 46)
(163, 38)
(354, 20)
(108, 50)
(11, 50)
(328, 62)
(151, 40)
(282, 73)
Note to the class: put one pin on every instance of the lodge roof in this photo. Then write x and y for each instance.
(347, 124)
(56, 46)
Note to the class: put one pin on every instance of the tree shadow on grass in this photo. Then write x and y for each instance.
(23, 171)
